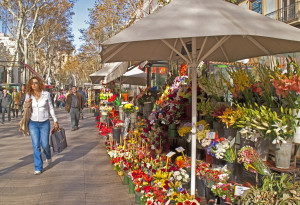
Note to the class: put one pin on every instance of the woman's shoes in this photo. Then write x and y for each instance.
(37, 172)
(48, 161)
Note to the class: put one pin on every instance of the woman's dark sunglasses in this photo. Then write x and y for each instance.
(36, 83)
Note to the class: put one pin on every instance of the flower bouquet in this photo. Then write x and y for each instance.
(216, 175)
(224, 191)
(130, 108)
(222, 150)
(250, 158)
(181, 176)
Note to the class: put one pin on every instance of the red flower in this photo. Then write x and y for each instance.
(187, 203)
(179, 203)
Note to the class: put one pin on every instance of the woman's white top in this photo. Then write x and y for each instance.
(41, 108)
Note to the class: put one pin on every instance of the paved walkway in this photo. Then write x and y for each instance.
(81, 174)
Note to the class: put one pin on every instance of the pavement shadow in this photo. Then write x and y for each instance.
(74, 154)
(24, 161)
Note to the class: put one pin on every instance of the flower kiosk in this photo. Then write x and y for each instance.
(247, 134)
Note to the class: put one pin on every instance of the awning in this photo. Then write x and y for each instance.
(108, 71)
(133, 77)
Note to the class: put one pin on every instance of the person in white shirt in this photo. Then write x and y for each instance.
(39, 124)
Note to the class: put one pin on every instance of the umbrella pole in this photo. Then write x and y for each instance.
(194, 117)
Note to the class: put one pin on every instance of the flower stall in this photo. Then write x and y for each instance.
(246, 136)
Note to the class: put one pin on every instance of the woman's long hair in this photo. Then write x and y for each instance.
(29, 89)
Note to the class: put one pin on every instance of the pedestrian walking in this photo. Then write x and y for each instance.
(5, 104)
(14, 104)
(61, 100)
(39, 123)
(84, 99)
(21, 98)
(74, 104)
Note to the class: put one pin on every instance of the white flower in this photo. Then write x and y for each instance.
(178, 178)
(176, 173)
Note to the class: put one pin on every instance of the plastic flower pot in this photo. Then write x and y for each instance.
(200, 185)
(125, 97)
(218, 128)
(126, 179)
(131, 187)
(116, 134)
(230, 132)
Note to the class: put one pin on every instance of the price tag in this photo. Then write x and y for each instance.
(239, 190)
(152, 121)
(180, 149)
(211, 135)
(232, 142)
(170, 154)
(201, 127)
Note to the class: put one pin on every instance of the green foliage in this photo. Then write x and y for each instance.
(276, 189)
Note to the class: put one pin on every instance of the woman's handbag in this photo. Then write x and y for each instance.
(25, 119)
(59, 140)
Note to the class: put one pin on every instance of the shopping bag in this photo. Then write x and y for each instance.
(59, 140)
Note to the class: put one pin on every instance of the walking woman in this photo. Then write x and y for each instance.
(39, 124)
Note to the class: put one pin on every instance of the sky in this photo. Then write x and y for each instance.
(81, 15)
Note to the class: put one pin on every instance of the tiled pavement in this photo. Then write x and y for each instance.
(81, 174)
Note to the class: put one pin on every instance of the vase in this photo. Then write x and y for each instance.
(131, 187)
(283, 154)
(200, 186)
(148, 106)
(230, 132)
(262, 148)
(126, 179)
(218, 128)
(297, 133)
(117, 134)
(137, 197)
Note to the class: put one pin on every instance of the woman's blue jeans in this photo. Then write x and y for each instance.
(39, 132)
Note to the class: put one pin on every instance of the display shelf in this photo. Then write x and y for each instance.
(292, 170)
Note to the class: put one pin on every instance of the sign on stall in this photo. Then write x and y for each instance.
(239, 190)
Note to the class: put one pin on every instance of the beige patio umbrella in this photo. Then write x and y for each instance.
(197, 30)
(110, 70)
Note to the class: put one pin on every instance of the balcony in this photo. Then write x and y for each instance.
(289, 14)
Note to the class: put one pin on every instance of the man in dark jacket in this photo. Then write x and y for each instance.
(74, 104)
(5, 104)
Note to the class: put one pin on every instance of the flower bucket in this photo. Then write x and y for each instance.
(121, 113)
(283, 154)
(200, 186)
(297, 133)
(103, 115)
(125, 97)
(253, 178)
(117, 134)
(148, 106)
(209, 195)
(218, 162)
(230, 132)
(246, 142)
(137, 197)
(133, 117)
(131, 187)
(236, 172)
(218, 128)
(262, 148)
(126, 179)
(172, 127)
